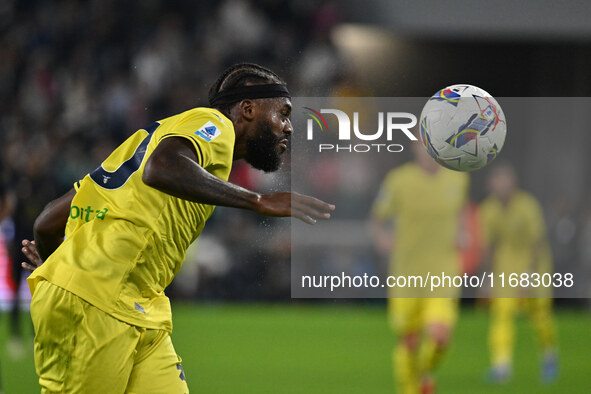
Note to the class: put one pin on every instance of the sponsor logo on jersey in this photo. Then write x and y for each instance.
(88, 213)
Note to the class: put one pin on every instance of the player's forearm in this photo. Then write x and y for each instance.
(173, 168)
(182, 177)
(381, 231)
(47, 244)
(50, 226)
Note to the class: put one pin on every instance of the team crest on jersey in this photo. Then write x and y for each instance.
(208, 132)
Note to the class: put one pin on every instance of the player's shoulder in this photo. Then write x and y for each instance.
(458, 178)
(399, 174)
(526, 199)
(201, 115)
(201, 123)
(405, 170)
(490, 203)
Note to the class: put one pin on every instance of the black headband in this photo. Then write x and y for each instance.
(232, 95)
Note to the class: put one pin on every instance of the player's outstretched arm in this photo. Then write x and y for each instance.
(50, 225)
(381, 231)
(173, 169)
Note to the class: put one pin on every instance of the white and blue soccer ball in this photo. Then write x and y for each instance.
(463, 127)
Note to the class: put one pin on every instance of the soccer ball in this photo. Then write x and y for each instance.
(463, 127)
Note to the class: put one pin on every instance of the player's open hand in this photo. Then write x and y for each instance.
(30, 251)
(307, 209)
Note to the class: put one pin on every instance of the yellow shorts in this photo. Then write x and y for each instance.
(81, 349)
(408, 315)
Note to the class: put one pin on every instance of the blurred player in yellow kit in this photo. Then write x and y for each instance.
(515, 234)
(102, 321)
(423, 201)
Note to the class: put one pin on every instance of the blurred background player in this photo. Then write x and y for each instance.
(424, 201)
(515, 233)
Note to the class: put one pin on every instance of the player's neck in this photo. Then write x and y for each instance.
(240, 131)
(506, 200)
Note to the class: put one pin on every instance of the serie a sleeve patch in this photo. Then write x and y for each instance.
(208, 132)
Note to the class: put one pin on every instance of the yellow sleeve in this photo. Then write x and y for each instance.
(387, 203)
(212, 140)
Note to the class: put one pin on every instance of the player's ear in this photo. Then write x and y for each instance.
(247, 109)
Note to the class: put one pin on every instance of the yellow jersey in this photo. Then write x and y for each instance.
(514, 230)
(426, 211)
(125, 241)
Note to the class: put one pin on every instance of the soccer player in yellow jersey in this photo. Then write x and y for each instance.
(515, 234)
(101, 318)
(424, 201)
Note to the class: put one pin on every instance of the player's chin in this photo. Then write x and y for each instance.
(272, 163)
(281, 148)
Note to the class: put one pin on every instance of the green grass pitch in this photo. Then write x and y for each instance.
(330, 348)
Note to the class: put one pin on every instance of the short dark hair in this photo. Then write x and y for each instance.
(241, 74)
